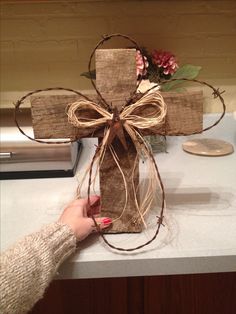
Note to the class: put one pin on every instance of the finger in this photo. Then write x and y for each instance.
(101, 223)
(94, 208)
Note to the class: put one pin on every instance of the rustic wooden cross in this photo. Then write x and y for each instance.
(116, 80)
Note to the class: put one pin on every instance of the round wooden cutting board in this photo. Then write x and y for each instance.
(208, 147)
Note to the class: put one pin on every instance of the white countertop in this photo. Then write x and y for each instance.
(200, 221)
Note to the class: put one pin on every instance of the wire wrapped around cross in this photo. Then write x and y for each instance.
(127, 122)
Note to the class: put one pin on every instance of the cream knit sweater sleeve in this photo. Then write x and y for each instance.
(28, 267)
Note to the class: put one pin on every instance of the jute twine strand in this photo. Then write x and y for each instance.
(127, 114)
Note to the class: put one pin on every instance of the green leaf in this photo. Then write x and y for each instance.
(87, 74)
(186, 71)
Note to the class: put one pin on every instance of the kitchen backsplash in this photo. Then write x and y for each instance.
(48, 43)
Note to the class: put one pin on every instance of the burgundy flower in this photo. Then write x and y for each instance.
(166, 61)
(140, 64)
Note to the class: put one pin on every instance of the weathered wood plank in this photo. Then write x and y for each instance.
(184, 115)
(50, 119)
(116, 80)
(116, 74)
(113, 190)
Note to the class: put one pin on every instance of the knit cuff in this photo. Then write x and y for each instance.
(60, 239)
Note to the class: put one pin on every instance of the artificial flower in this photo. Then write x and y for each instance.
(140, 64)
(165, 60)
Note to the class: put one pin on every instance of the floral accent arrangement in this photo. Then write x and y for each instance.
(161, 66)
(161, 62)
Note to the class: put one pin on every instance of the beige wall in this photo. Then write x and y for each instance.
(47, 43)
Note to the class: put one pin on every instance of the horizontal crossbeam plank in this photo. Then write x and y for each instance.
(184, 115)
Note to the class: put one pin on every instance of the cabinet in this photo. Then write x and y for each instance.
(178, 294)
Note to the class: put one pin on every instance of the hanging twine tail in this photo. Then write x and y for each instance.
(154, 181)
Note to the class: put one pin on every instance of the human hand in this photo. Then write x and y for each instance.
(77, 216)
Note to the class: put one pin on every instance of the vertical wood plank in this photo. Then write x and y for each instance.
(116, 80)
(116, 74)
(117, 296)
(191, 294)
(135, 298)
(113, 190)
(51, 302)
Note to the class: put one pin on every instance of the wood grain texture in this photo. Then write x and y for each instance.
(113, 190)
(184, 115)
(49, 116)
(116, 74)
(184, 112)
(116, 80)
(50, 120)
(176, 294)
(191, 294)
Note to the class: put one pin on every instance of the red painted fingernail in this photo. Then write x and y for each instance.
(106, 221)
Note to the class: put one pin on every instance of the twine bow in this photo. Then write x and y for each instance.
(128, 118)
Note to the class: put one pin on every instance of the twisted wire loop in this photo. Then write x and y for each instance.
(100, 43)
(216, 94)
(133, 124)
(21, 101)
